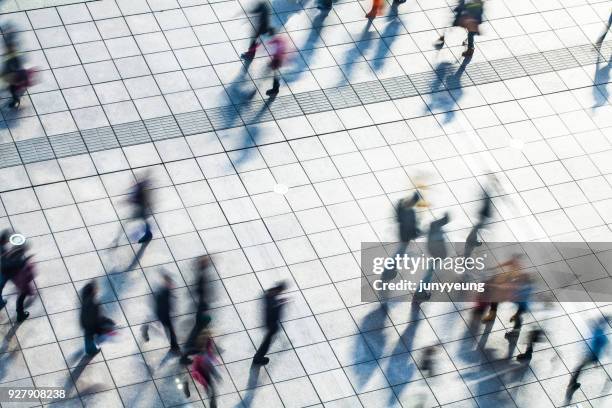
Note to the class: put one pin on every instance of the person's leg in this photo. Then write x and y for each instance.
(3, 281)
(212, 392)
(470, 45)
(260, 355)
(603, 35)
(148, 235)
(376, 6)
(21, 313)
(15, 97)
(171, 335)
(574, 380)
(470, 38)
(492, 313)
(250, 53)
(90, 344)
(534, 337)
(275, 85)
(517, 318)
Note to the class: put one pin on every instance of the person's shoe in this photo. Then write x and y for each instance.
(573, 387)
(439, 42)
(186, 389)
(489, 317)
(261, 361)
(524, 357)
(145, 238)
(93, 353)
(22, 317)
(468, 53)
(175, 349)
(370, 15)
(513, 318)
(272, 92)
(144, 331)
(185, 360)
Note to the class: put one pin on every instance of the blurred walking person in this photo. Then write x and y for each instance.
(163, 310)
(92, 321)
(140, 198)
(468, 15)
(204, 369)
(16, 76)
(405, 216)
(262, 27)
(273, 309)
(23, 279)
(596, 346)
(202, 319)
(325, 4)
(521, 286)
(278, 51)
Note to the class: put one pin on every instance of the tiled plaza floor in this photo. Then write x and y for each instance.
(366, 112)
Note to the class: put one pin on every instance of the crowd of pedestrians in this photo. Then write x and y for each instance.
(199, 353)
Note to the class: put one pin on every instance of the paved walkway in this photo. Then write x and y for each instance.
(365, 113)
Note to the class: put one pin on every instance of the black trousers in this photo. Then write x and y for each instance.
(170, 331)
(265, 344)
(591, 358)
(3, 280)
(20, 302)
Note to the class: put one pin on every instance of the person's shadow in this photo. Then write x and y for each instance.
(251, 135)
(251, 384)
(8, 356)
(372, 325)
(602, 77)
(390, 33)
(313, 36)
(446, 79)
(404, 343)
(362, 44)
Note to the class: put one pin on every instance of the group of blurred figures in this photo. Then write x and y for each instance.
(511, 283)
(468, 15)
(199, 353)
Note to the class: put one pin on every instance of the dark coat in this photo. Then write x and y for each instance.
(163, 304)
(406, 217)
(274, 307)
(90, 315)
